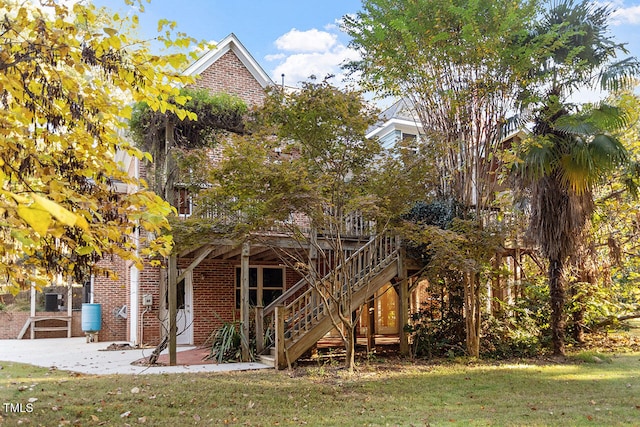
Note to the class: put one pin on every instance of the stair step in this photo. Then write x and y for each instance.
(267, 359)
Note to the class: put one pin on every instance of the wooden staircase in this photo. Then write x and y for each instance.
(303, 314)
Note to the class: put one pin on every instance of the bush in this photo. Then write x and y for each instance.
(226, 343)
(510, 336)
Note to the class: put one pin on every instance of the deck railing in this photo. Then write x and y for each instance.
(348, 225)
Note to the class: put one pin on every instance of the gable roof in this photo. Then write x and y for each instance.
(230, 43)
(399, 116)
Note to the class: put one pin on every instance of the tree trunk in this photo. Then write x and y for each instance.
(350, 347)
(578, 315)
(472, 314)
(557, 300)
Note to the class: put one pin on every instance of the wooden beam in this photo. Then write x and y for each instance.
(280, 361)
(173, 302)
(244, 299)
(371, 330)
(403, 296)
(259, 313)
(202, 255)
(234, 252)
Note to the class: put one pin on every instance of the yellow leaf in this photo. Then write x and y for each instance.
(110, 31)
(37, 218)
(126, 112)
(84, 250)
(58, 212)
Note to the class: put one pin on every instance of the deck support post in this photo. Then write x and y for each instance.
(371, 330)
(244, 300)
(259, 313)
(403, 296)
(280, 361)
(173, 303)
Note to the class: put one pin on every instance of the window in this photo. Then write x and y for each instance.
(183, 202)
(265, 285)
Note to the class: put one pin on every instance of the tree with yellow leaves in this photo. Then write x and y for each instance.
(69, 74)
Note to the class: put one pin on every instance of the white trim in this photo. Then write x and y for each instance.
(185, 319)
(407, 126)
(134, 281)
(232, 43)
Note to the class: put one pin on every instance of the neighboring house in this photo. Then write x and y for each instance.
(398, 123)
(209, 285)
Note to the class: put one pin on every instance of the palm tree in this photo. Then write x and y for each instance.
(571, 147)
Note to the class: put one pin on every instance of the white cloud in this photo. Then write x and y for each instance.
(275, 57)
(627, 15)
(300, 66)
(624, 15)
(306, 41)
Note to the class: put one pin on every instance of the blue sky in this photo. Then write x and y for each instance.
(300, 38)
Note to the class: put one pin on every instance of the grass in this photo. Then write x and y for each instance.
(380, 394)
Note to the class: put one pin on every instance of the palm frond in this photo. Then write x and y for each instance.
(609, 117)
(539, 157)
(576, 170)
(620, 75)
(607, 152)
(575, 124)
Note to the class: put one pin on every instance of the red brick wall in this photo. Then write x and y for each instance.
(11, 323)
(149, 331)
(214, 295)
(112, 294)
(228, 74)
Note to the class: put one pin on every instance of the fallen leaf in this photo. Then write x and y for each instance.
(142, 420)
(94, 418)
(125, 414)
(196, 417)
(32, 399)
(135, 390)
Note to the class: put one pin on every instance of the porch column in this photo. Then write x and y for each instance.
(244, 299)
(173, 302)
(403, 310)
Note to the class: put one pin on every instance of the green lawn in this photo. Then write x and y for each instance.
(398, 393)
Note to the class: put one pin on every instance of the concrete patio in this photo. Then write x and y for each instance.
(76, 355)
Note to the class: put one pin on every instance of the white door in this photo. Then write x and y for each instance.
(184, 313)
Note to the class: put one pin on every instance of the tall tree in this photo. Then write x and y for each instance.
(571, 148)
(318, 173)
(460, 63)
(307, 166)
(68, 75)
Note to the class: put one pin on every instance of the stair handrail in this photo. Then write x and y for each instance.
(386, 249)
(307, 279)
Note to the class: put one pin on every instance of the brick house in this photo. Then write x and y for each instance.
(211, 277)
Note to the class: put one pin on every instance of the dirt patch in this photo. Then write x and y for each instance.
(120, 347)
